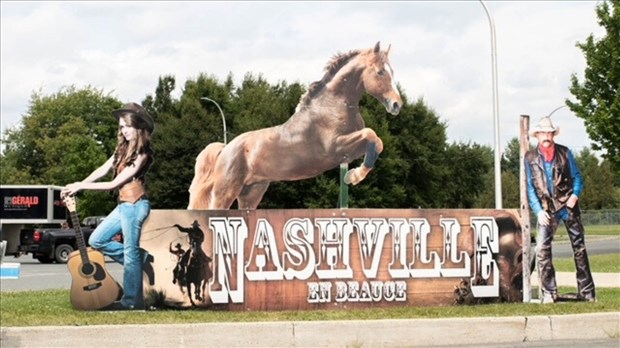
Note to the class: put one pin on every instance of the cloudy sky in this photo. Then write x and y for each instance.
(441, 51)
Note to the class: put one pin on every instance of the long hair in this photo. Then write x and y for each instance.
(126, 152)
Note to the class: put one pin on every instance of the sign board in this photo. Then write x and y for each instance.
(31, 204)
(9, 270)
(331, 258)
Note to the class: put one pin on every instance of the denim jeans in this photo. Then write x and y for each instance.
(128, 219)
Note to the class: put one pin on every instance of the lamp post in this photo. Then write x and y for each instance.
(556, 109)
(498, 173)
(221, 113)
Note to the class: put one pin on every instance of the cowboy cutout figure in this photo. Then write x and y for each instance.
(554, 184)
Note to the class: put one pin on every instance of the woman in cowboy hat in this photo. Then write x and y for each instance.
(130, 162)
(554, 183)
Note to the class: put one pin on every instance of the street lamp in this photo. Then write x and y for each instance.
(221, 113)
(556, 109)
(498, 173)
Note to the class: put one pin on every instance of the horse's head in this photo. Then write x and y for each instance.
(378, 79)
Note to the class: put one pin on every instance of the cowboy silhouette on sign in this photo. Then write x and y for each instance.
(193, 266)
(179, 269)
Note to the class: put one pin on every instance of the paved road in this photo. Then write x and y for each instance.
(595, 245)
(37, 276)
(599, 330)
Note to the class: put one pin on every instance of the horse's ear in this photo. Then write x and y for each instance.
(378, 47)
(387, 52)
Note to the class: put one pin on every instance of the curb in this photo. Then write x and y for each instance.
(357, 333)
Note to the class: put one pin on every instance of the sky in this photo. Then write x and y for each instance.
(441, 52)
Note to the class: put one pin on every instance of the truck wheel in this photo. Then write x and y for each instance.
(62, 253)
(44, 259)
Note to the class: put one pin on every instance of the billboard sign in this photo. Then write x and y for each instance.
(331, 258)
(31, 204)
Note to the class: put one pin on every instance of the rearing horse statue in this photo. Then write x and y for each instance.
(327, 129)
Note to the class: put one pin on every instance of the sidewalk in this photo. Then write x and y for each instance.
(601, 280)
(351, 333)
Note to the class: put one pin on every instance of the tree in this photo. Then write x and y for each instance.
(511, 194)
(63, 138)
(468, 165)
(418, 155)
(10, 174)
(68, 134)
(598, 97)
(510, 173)
(184, 127)
(511, 157)
(163, 101)
(599, 190)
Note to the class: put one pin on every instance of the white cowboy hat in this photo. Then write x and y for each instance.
(545, 125)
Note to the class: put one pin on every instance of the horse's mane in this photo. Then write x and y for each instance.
(333, 66)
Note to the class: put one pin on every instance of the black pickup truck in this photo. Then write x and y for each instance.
(54, 244)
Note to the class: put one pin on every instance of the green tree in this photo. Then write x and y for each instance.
(599, 191)
(511, 157)
(63, 138)
(184, 128)
(163, 101)
(416, 168)
(511, 193)
(11, 174)
(468, 165)
(259, 104)
(510, 174)
(598, 98)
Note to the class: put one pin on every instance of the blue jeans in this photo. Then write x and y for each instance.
(128, 219)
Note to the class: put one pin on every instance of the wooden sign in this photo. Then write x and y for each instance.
(331, 258)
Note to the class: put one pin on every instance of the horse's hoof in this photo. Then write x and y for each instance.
(347, 178)
(352, 177)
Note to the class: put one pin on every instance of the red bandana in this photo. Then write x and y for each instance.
(547, 152)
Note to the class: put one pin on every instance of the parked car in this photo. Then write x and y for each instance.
(49, 244)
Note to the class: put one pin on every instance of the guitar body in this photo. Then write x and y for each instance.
(92, 287)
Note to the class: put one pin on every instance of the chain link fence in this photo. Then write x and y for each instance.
(591, 217)
(601, 217)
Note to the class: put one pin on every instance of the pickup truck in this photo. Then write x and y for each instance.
(54, 244)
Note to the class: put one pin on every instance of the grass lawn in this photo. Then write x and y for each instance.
(53, 307)
(598, 263)
(603, 230)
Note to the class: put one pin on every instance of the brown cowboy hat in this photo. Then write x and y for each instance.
(545, 125)
(145, 121)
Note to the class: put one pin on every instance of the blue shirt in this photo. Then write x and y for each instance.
(534, 200)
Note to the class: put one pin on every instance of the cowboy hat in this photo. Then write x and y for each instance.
(545, 125)
(145, 121)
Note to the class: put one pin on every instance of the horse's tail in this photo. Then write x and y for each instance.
(202, 184)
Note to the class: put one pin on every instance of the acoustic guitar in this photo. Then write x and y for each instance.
(92, 287)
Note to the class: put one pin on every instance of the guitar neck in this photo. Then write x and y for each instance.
(79, 237)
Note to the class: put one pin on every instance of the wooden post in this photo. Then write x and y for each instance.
(343, 199)
(525, 209)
